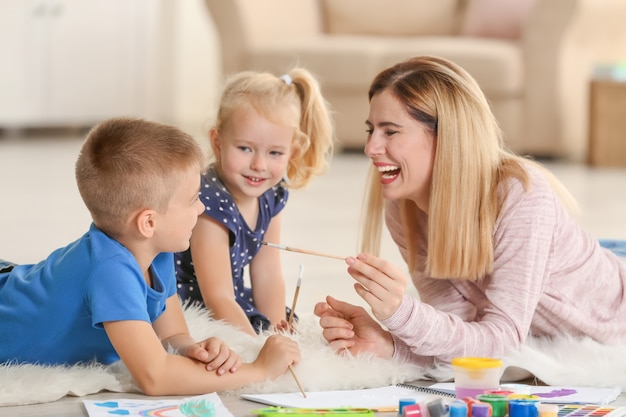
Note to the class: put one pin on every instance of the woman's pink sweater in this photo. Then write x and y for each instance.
(549, 278)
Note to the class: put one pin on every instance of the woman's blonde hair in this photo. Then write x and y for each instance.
(470, 162)
(128, 164)
(293, 99)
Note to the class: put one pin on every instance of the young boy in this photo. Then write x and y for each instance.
(111, 294)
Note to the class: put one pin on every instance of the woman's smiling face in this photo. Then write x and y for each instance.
(401, 148)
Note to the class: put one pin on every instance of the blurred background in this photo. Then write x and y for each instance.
(553, 70)
(72, 63)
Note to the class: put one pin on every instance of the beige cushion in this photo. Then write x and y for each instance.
(351, 62)
(496, 18)
(341, 62)
(391, 17)
(496, 65)
(299, 18)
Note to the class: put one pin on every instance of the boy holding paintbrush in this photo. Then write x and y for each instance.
(111, 294)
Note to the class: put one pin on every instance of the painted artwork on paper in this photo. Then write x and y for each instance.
(209, 405)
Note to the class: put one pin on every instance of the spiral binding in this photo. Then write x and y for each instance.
(427, 390)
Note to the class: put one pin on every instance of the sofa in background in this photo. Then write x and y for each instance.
(533, 58)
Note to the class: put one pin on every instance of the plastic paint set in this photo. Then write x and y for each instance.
(478, 394)
(499, 405)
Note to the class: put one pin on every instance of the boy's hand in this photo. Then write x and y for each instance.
(216, 354)
(277, 354)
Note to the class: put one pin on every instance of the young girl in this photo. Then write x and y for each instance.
(494, 253)
(271, 133)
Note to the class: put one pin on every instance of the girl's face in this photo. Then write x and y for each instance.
(401, 148)
(252, 153)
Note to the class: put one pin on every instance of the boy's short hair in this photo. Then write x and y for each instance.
(129, 164)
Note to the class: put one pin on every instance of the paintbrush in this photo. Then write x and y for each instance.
(290, 321)
(308, 252)
(293, 374)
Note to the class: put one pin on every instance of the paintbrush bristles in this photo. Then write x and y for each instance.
(305, 251)
(273, 245)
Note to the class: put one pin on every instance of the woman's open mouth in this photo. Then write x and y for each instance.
(388, 173)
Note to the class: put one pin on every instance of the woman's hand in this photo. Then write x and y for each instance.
(379, 283)
(216, 354)
(349, 327)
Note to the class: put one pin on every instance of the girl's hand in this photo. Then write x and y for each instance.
(379, 283)
(349, 327)
(216, 354)
(278, 353)
(284, 327)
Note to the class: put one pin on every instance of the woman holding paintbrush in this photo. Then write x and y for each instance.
(272, 134)
(488, 238)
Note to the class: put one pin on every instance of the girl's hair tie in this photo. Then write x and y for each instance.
(286, 78)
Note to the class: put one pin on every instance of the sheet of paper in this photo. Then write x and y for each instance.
(375, 398)
(156, 407)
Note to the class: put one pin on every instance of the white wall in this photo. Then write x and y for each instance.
(77, 62)
(197, 69)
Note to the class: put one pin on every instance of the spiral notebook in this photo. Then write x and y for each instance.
(388, 397)
(381, 398)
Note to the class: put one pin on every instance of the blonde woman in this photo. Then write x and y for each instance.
(488, 236)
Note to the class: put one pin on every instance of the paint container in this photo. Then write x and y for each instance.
(480, 409)
(523, 407)
(526, 397)
(516, 388)
(473, 376)
(503, 392)
(436, 408)
(547, 410)
(412, 410)
(424, 409)
(499, 403)
(403, 402)
(469, 401)
(458, 408)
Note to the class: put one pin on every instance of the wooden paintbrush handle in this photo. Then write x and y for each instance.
(310, 252)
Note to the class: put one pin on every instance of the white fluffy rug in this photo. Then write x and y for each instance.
(558, 362)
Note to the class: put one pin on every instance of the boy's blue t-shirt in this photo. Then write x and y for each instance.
(52, 312)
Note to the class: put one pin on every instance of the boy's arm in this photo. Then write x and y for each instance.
(159, 373)
(173, 332)
(266, 276)
(211, 259)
